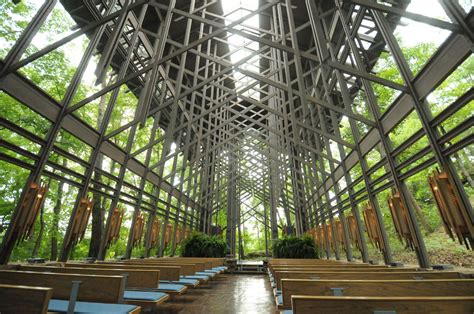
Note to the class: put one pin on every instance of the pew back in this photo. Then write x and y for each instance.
(170, 273)
(354, 275)
(364, 305)
(347, 269)
(136, 278)
(328, 265)
(215, 261)
(428, 287)
(210, 262)
(187, 269)
(308, 260)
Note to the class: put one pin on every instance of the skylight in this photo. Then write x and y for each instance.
(241, 47)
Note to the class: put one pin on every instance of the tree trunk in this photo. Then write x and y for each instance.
(97, 209)
(463, 169)
(97, 226)
(419, 213)
(55, 224)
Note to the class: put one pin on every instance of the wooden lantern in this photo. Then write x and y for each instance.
(29, 209)
(339, 229)
(328, 231)
(454, 214)
(114, 229)
(373, 227)
(353, 231)
(320, 237)
(312, 234)
(155, 232)
(168, 233)
(138, 230)
(401, 219)
(179, 235)
(79, 224)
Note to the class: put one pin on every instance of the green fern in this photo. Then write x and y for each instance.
(295, 247)
(202, 245)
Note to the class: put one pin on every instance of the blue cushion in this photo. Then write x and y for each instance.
(280, 299)
(183, 281)
(212, 271)
(198, 277)
(144, 295)
(220, 268)
(286, 312)
(170, 287)
(205, 273)
(89, 307)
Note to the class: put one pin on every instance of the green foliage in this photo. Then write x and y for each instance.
(255, 255)
(202, 245)
(295, 247)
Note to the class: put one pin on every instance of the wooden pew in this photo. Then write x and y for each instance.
(307, 260)
(345, 269)
(216, 261)
(105, 291)
(137, 279)
(24, 299)
(333, 266)
(186, 268)
(394, 305)
(316, 262)
(166, 272)
(338, 275)
(337, 267)
(188, 274)
(200, 272)
(426, 287)
(207, 264)
(171, 273)
(274, 276)
(211, 262)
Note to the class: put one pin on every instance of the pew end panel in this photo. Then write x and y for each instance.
(93, 288)
(24, 299)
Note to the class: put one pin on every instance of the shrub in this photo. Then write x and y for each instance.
(295, 247)
(202, 245)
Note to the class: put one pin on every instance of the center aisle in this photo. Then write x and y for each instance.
(232, 294)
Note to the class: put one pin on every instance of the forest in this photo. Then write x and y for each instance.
(53, 74)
